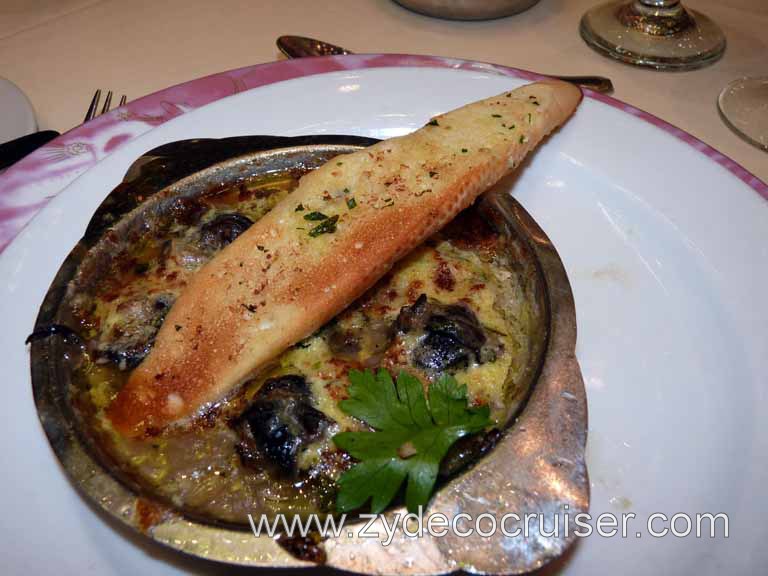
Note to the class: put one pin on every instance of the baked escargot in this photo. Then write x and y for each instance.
(461, 304)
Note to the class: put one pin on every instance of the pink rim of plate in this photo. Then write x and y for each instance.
(29, 184)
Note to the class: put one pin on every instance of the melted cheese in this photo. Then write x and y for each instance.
(199, 470)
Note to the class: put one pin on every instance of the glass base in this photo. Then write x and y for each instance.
(653, 38)
(743, 105)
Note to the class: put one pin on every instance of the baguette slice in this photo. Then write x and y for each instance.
(287, 276)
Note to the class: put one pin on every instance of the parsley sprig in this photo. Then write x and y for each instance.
(412, 435)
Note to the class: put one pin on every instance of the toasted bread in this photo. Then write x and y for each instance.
(318, 250)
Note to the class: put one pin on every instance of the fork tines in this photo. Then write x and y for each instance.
(94, 106)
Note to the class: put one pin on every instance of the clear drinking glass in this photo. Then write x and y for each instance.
(743, 105)
(659, 34)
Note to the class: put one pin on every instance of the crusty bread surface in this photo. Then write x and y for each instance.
(287, 275)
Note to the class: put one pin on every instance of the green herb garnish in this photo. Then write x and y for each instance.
(327, 226)
(412, 436)
(351, 203)
(496, 115)
(315, 216)
(464, 150)
(530, 118)
(299, 208)
(433, 122)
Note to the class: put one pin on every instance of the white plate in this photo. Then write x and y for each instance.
(666, 253)
(16, 115)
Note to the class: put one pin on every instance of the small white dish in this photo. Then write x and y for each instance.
(17, 118)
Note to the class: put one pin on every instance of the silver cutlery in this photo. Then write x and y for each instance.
(94, 106)
(13, 151)
(303, 47)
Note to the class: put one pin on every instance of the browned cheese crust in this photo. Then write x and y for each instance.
(284, 278)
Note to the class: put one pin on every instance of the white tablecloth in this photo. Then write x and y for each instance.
(60, 51)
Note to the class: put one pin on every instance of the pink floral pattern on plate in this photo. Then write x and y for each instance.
(28, 185)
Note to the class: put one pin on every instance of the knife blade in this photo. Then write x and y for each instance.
(14, 150)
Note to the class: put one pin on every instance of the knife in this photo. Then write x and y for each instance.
(14, 150)
(302, 47)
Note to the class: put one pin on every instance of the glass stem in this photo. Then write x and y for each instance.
(664, 8)
(655, 17)
(659, 3)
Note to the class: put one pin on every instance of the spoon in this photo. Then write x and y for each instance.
(302, 47)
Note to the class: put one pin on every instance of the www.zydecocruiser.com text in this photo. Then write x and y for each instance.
(510, 525)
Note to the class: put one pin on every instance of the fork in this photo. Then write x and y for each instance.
(94, 106)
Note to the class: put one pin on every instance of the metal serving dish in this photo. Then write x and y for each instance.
(537, 466)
